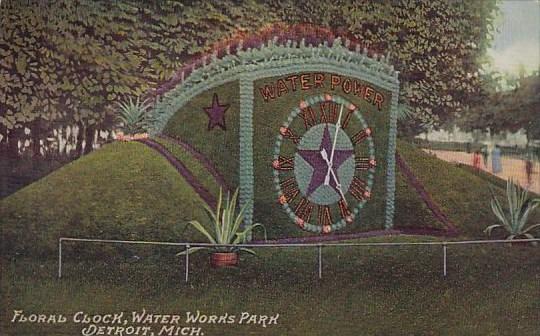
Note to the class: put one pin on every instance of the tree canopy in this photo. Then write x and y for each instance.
(67, 63)
(510, 110)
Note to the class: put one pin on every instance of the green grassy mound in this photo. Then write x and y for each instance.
(128, 191)
(196, 167)
(463, 195)
(122, 191)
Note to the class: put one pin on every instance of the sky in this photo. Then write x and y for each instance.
(518, 38)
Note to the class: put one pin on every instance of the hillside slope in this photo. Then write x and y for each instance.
(128, 191)
(463, 195)
(122, 191)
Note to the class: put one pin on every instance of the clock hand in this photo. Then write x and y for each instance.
(338, 186)
(338, 126)
(331, 170)
(328, 163)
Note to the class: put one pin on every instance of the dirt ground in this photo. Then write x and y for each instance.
(511, 167)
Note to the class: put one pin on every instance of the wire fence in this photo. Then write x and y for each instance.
(318, 246)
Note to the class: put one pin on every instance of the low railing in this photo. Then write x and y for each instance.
(318, 246)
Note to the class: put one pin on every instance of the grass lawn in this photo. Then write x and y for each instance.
(127, 191)
(489, 290)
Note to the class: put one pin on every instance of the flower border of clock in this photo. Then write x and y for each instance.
(371, 171)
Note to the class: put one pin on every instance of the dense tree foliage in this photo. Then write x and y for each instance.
(509, 110)
(438, 46)
(65, 64)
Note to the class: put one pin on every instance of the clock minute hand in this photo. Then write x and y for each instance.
(327, 182)
(338, 126)
(338, 186)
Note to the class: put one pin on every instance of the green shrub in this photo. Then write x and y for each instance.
(226, 224)
(133, 116)
(520, 207)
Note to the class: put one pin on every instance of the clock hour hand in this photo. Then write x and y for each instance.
(331, 171)
(324, 155)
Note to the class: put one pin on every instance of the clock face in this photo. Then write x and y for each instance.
(324, 163)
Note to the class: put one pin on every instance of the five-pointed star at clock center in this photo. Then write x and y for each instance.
(320, 167)
(216, 114)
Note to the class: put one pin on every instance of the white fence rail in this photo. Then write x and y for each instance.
(318, 246)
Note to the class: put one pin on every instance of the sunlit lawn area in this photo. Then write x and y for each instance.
(489, 290)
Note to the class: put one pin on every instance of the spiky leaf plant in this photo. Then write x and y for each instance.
(133, 116)
(226, 222)
(520, 207)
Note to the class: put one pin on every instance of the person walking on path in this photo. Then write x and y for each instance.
(476, 160)
(496, 164)
(529, 168)
(485, 156)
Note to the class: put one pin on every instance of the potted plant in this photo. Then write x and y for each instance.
(226, 224)
(520, 207)
(132, 115)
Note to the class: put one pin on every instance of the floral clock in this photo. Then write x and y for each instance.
(324, 163)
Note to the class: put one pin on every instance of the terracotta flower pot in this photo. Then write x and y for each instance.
(224, 259)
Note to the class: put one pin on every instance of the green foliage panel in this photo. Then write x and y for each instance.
(191, 163)
(190, 123)
(270, 116)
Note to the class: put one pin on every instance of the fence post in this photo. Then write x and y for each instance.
(187, 263)
(60, 258)
(444, 258)
(320, 261)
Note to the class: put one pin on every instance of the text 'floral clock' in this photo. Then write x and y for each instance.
(326, 177)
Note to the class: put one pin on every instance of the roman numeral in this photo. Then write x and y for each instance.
(346, 119)
(358, 189)
(361, 135)
(308, 115)
(290, 190)
(362, 163)
(287, 133)
(324, 217)
(329, 112)
(283, 163)
(303, 209)
(344, 210)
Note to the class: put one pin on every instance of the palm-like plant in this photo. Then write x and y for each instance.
(226, 226)
(132, 115)
(520, 208)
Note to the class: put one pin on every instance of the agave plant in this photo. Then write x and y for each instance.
(225, 222)
(133, 116)
(520, 208)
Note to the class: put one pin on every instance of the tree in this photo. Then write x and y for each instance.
(65, 64)
(509, 110)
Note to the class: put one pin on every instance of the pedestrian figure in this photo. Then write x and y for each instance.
(476, 160)
(529, 168)
(485, 155)
(496, 164)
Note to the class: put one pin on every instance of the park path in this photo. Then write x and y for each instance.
(511, 167)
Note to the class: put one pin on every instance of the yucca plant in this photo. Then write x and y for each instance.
(226, 222)
(132, 115)
(520, 207)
